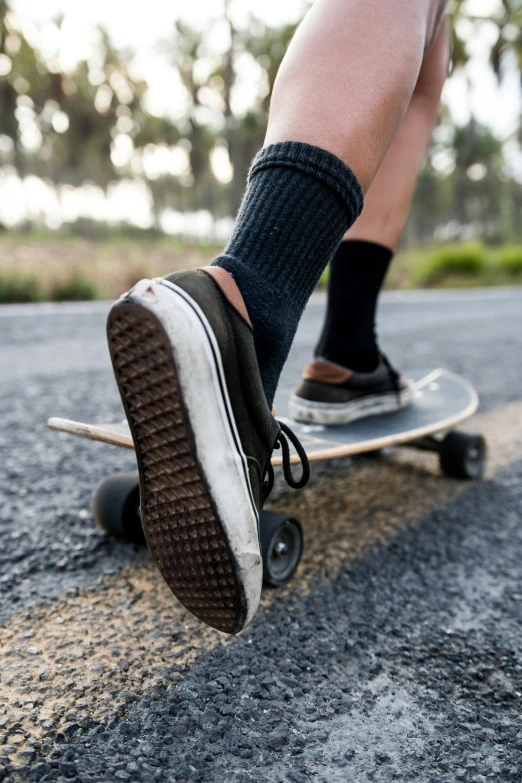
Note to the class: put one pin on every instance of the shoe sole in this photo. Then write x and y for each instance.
(197, 510)
(347, 412)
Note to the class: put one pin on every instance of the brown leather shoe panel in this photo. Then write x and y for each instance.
(229, 289)
(325, 372)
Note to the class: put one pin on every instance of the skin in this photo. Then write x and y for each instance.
(363, 79)
(349, 76)
(388, 200)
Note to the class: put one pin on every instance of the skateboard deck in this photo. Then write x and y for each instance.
(441, 400)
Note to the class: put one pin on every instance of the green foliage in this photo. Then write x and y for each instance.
(109, 267)
(467, 260)
(323, 282)
(76, 289)
(20, 288)
(103, 232)
(93, 125)
(509, 259)
(63, 125)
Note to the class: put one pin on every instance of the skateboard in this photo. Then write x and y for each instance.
(441, 401)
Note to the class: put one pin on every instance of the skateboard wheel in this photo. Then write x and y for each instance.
(463, 455)
(116, 507)
(281, 539)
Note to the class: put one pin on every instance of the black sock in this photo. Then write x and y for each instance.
(357, 272)
(298, 203)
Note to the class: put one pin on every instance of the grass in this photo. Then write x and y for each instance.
(36, 266)
(454, 266)
(74, 289)
(467, 259)
(468, 264)
(42, 267)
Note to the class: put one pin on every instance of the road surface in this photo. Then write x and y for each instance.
(396, 654)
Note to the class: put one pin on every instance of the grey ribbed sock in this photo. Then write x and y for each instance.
(299, 202)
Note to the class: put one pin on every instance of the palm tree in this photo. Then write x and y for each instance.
(507, 46)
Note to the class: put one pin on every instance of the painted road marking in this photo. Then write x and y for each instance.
(87, 656)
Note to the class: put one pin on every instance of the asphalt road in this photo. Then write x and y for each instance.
(396, 654)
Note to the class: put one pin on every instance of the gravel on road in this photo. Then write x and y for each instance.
(395, 654)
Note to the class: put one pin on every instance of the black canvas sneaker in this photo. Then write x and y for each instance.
(331, 394)
(183, 355)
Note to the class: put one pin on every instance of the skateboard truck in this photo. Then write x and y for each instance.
(462, 455)
(116, 510)
(442, 400)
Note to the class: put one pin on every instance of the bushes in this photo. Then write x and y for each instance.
(467, 264)
(76, 289)
(17, 289)
(20, 288)
(467, 259)
(509, 259)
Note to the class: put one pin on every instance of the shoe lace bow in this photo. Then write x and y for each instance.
(285, 435)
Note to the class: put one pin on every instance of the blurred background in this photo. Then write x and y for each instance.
(125, 138)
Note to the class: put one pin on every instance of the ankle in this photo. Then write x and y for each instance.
(362, 360)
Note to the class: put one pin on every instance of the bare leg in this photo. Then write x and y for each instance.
(388, 200)
(359, 267)
(348, 338)
(349, 75)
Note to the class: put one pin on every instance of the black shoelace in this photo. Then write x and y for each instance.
(285, 435)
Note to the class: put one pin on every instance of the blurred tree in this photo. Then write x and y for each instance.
(478, 184)
(507, 43)
(214, 118)
(90, 122)
(466, 187)
(267, 46)
(70, 126)
(18, 69)
(463, 189)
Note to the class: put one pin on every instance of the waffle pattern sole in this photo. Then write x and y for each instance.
(181, 524)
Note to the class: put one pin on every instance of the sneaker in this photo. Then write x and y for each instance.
(331, 394)
(183, 355)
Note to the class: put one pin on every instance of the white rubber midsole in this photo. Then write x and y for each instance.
(218, 447)
(345, 412)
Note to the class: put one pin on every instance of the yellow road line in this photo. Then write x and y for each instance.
(88, 655)
(68, 661)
